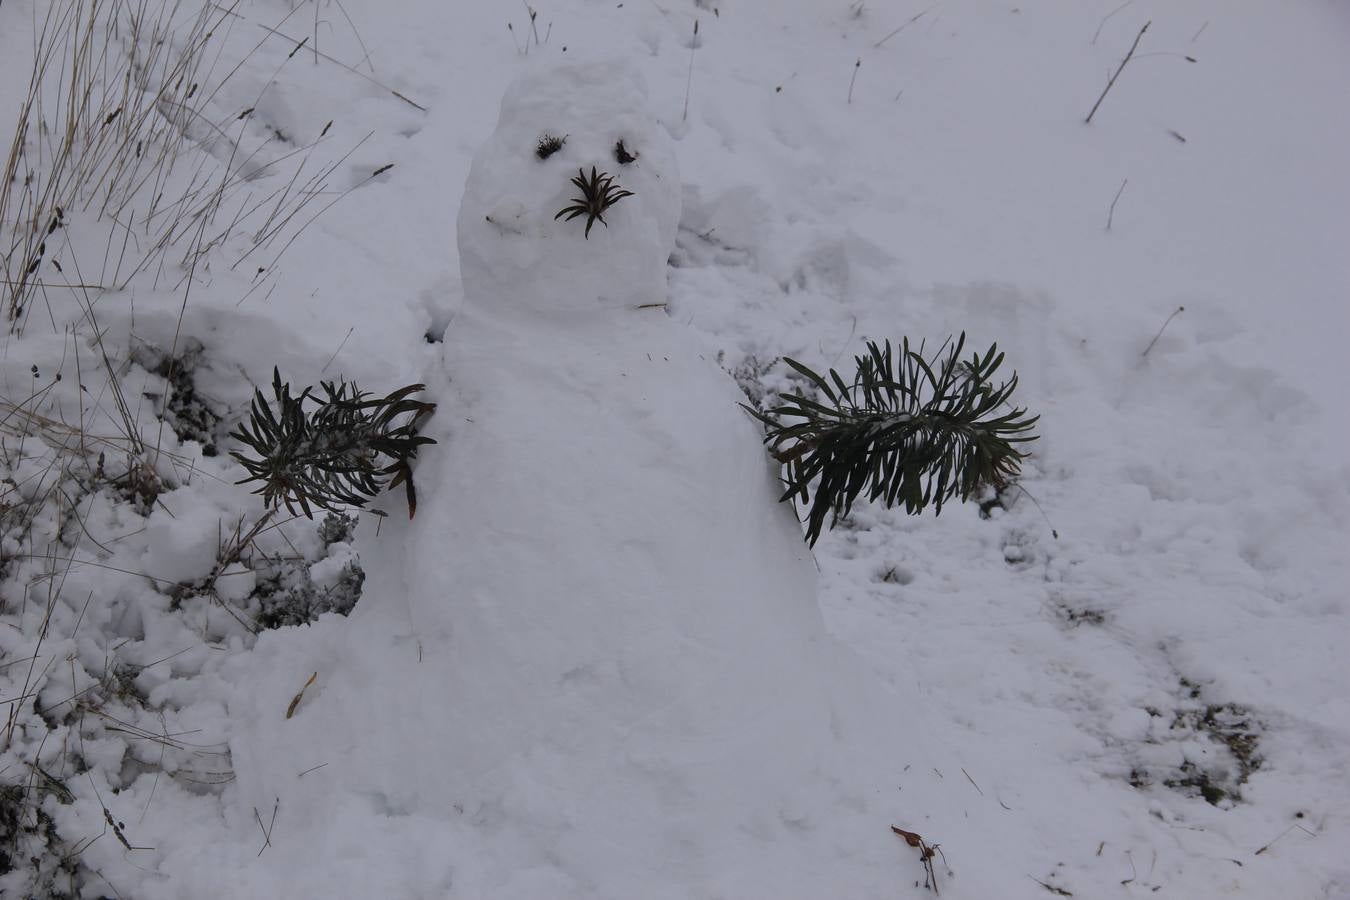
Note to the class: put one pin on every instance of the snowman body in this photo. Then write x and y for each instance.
(600, 557)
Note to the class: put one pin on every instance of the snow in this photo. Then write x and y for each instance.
(600, 661)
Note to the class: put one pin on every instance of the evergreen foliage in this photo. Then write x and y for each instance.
(598, 193)
(907, 430)
(341, 453)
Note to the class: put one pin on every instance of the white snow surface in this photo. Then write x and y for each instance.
(600, 662)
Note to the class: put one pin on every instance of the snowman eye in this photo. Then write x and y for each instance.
(623, 154)
(548, 145)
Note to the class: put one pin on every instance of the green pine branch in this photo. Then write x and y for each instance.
(342, 453)
(905, 430)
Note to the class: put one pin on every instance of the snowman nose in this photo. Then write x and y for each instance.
(598, 191)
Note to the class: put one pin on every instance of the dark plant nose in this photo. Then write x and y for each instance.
(599, 192)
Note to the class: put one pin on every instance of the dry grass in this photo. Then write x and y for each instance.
(126, 166)
(112, 92)
(118, 90)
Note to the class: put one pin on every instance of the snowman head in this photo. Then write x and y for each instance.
(560, 124)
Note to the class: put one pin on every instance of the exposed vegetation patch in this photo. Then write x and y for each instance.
(894, 574)
(1073, 609)
(298, 591)
(191, 415)
(1020, 548)
(1219, 743)
(750, 375)
(29, 841)
(1074, 616)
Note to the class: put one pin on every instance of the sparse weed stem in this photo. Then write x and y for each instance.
(1106, 18)
(1168, 321)
(532, 38)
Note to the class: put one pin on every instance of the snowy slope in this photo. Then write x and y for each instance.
(1067, 706)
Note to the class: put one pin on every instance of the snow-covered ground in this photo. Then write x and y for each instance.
(1128, 678)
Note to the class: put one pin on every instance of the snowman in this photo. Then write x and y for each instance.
(594, 665)
(623, 610)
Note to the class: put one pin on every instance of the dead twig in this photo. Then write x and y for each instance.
(1312, 834)
(116, 826)
(689, 82)
(908, 22)
(1110, 214)
(267, 829)
(926, 853)
(1057, 891)
(1119, 69)
(1134, 872)
(338, 350)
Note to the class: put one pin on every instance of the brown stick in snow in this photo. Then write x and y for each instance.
(1121, 68)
